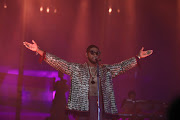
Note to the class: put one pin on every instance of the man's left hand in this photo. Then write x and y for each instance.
(143, 54)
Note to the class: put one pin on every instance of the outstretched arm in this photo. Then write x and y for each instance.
(52, 60)
(125, 65)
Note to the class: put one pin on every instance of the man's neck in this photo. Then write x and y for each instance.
(91, 64)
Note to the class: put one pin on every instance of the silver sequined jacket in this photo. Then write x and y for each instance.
(78, 97)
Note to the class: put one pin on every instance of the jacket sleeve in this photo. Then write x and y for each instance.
(58, 64)
(119, 68)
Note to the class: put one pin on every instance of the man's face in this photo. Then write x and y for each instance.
(93, 54)
(132, 96)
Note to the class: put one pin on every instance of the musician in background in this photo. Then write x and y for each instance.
(128, 105)
(59, 103)
(132, 95)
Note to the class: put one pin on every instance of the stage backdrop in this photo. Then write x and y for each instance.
(66, 27)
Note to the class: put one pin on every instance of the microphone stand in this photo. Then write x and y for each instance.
(99, 109)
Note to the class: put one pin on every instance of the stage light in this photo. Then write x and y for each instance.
(5, 6)
(41, 9)
(55, 10)
(47, 10)
(118, 10)
(110, 10)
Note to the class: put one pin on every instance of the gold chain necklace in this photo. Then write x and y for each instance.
(92, 75)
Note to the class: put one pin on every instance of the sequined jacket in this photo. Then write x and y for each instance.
(80, 76)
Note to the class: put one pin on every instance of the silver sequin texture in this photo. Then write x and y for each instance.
(78, 97)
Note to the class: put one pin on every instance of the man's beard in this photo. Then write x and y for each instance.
(93, 62)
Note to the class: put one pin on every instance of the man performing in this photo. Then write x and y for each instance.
(82, 99)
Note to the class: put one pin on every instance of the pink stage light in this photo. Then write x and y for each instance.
(5, 6)
(55, 10)
(110, 10)
(41, 9)
(47, 10)
(118, 10)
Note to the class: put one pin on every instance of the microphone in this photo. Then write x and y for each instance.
(97, 59)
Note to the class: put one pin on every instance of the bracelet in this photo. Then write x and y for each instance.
(43, 57)
(138, 56)
(37, 51)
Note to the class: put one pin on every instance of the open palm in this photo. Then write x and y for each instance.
(143, 54)
(32, 46)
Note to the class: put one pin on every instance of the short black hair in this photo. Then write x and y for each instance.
(91, 46)
(131, 93)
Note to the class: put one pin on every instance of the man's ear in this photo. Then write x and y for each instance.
(86, 54)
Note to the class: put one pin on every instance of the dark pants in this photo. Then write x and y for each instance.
(93, 110)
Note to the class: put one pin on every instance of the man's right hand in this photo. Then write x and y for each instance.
(33, 47)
